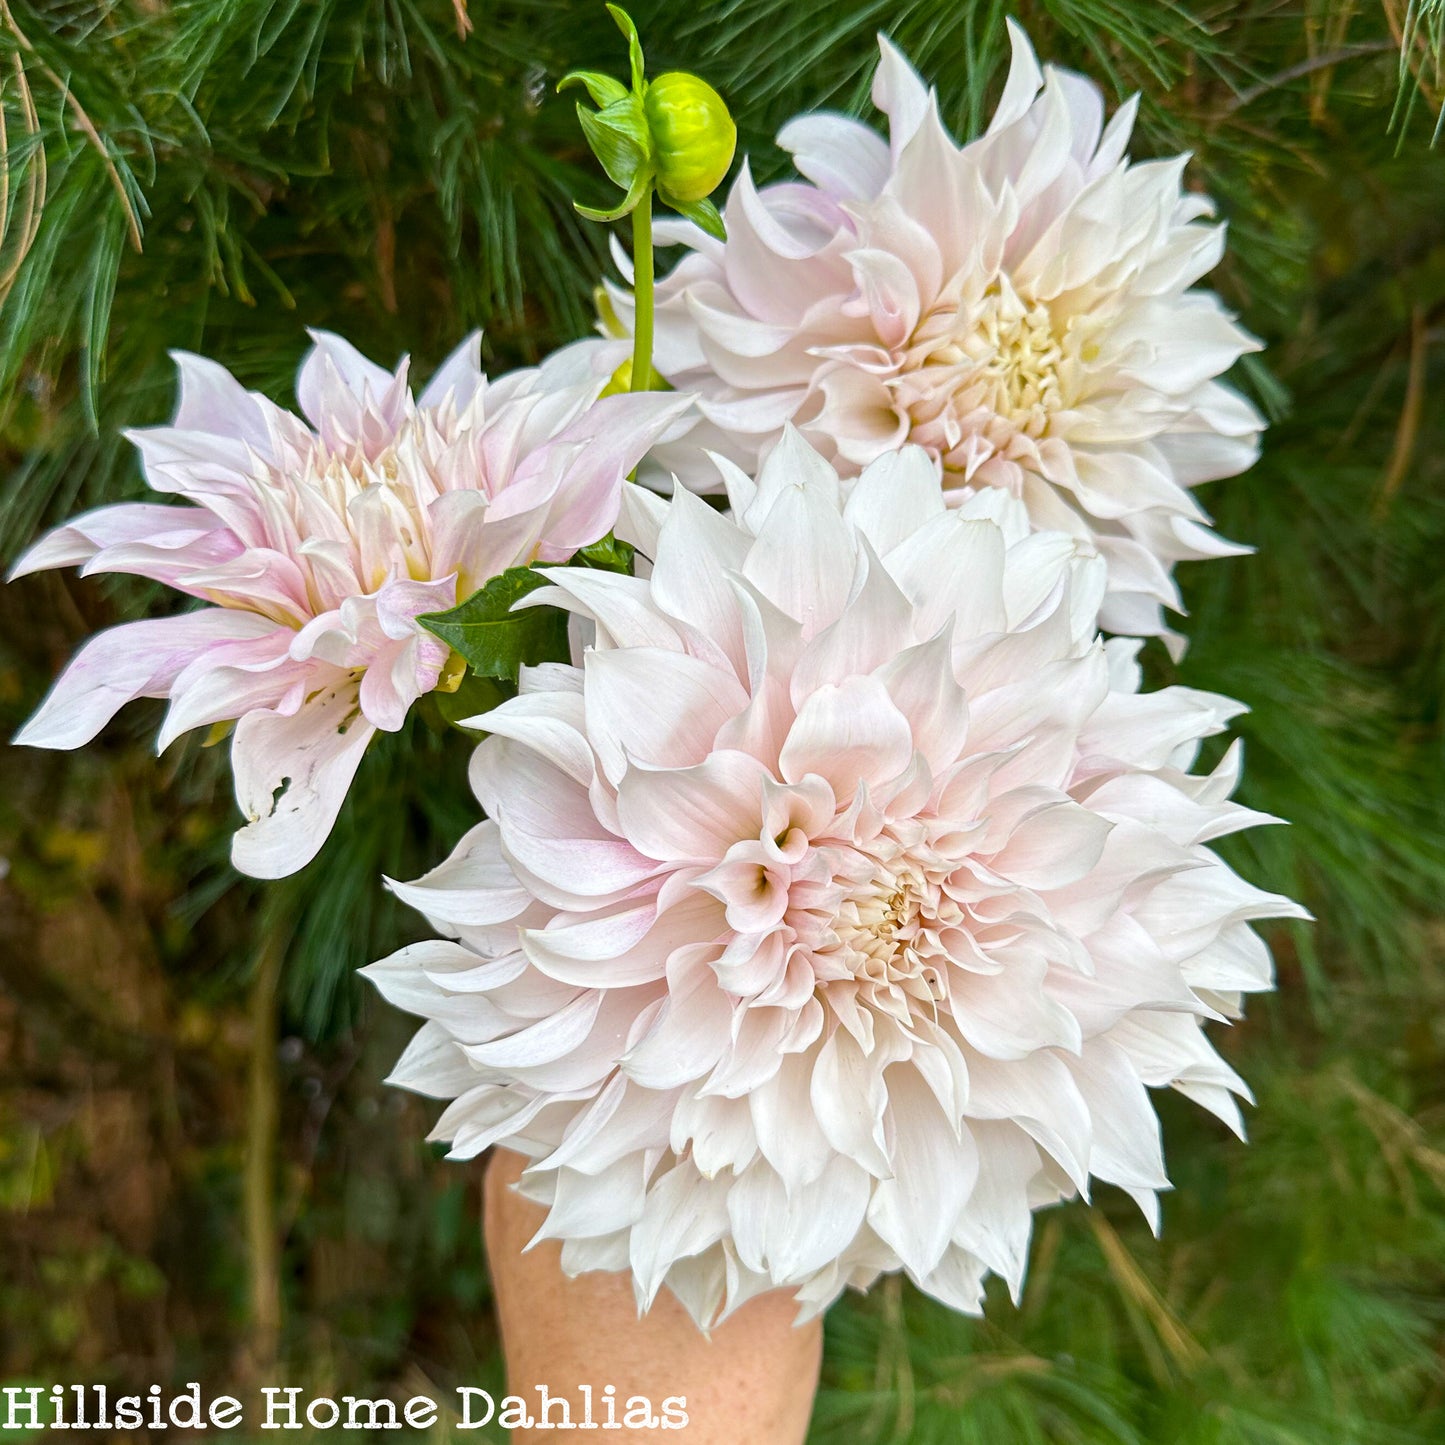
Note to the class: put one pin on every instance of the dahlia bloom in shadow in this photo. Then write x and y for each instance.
(316, 543)
(839, 907)
(1020, 306)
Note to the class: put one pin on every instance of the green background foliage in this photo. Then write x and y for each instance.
(217, 175)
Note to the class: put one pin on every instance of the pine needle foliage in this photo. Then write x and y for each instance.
(219, 174)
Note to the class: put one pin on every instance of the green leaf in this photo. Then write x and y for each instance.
(475, 696)
(608, 555)
(602, 88)
(634, 44)
(495, 640)
(628, 204)
(702, 214)
(618, 137)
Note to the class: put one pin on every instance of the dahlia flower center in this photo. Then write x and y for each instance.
(881, 934)
(354, 516)
(1008, 356)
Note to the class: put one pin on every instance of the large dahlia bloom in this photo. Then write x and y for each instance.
(1019, 306)
(840, 908)
(316, 544)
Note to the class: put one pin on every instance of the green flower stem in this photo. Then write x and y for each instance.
(642, 291)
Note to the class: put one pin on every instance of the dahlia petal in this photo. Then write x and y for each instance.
(788, 1234)
(458, 377)
(899, 93)
(894, 497)
(433, 1065)
(1053, 846)
(688, 702)
(291, 776)
(838, 154)
(848, 735)
(684, 1214)
(682, 814)
(849, 1099)
(136, 659)
(933, 1171)
(81, 538)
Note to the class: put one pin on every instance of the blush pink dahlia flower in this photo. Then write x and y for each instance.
(1020, 306)
(316, 543)
(840, 908)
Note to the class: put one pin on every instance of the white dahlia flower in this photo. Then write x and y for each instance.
(840, 908)
(1020, 306)
(317, 543)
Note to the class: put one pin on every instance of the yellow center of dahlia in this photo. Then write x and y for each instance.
(1011, 354)
(881, 936)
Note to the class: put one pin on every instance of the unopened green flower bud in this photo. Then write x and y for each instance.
(693, 136)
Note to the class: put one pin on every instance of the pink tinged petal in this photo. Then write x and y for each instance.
(1023, 83)
(957, 1280)
(752, 963)
(735, 334)
(838, 154)
(291, 777)
(408, 980)
(1052, 847)
(848, 735)
(889, 291)
(551, 724)
(1127, 1148)
(999, 1217)
(899, 94)
(137, 659)
(696, 813)
(621, 1120)
(1039, 1095)
(934, 1169)
(775, 274)
(1148, 728)
(549, 830)
(131, 522)
(873, 627)
(849, 1102)
(663, 708)
(696, 548)
(548, 1039)
(753, 889)
(920, 683)
(624, 608)
(954, 570)
(641, 517)
(212, 400)
(332, 370)
(791, 465)
(690, 1033)
(610, 439)
(1010, 1015)
(232, 679)
(459, 377)
(895, 496)
(601, 951)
